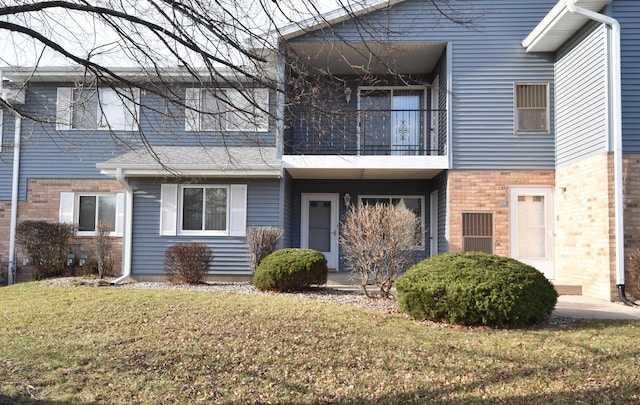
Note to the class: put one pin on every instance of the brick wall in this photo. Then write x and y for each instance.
(585, 226)
(43, 203)
(487, 191)
(631, 168)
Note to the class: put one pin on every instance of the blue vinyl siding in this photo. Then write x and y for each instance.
(440, 183)
(486, 60)
(581, 96)
(48, 153)
(231, 253)
(627, 12)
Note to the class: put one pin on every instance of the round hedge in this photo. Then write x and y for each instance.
(291, 270)
(472, 288)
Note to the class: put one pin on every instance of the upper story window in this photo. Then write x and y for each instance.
(101, 109)
(531, 107)
(227, 109)
(87, 210)
(414, 204)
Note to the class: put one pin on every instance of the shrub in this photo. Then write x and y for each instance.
(473, 288)
(262, 241)
(377, 244)
(47, 244)
(291, 270)
(187, 263)
(103, 249)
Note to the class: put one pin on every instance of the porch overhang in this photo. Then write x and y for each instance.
(559, 25)
(196, 161)
(364, 167)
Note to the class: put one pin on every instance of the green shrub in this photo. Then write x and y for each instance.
(47, 244)
(291, 270)
(187, 263)
(473, 288)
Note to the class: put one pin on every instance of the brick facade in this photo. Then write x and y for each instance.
(43, 203)
(487, 191)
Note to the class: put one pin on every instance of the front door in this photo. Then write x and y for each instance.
(531, 214)
(319, 225)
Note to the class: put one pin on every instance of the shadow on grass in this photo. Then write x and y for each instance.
(22, 399)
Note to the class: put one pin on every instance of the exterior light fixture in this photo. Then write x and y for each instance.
(347, 95)
(347, 200)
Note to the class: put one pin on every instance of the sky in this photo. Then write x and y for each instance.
(85, 35)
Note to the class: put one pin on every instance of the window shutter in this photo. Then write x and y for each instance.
(120, 209)
(67, 201)
(1, 127)
(168, 209)
(238, 217)
(191, 111)
(63, 108)
(111, 110)
(262, 109)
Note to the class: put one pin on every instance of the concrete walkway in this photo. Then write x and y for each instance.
(568, 306)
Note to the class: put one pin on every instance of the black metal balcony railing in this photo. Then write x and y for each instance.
(369, 132)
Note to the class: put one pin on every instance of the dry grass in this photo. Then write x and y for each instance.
(105, 345)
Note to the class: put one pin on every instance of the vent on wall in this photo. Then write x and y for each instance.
(477, 232)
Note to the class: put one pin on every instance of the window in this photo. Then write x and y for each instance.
(477, 232)
(86, 210)
(212, 210)
(102, 109)
(204, 209)
(392, 121)
(227, 110)
(531, 108)
(414, 204)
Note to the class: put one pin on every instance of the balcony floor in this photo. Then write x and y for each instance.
(364, 167)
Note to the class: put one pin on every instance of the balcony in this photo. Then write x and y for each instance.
(397, 132)
(368, 144)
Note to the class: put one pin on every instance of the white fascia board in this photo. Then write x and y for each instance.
(274, 173)
(390, 162)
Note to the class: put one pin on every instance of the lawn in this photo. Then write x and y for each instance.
(105, 345)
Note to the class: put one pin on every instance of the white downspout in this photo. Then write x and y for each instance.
(614, 68)
(128, 226)
(14, 198)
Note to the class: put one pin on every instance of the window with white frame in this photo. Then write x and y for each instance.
(414, 204)
(227, 109)
(87, 210)
(212, 210)
(531, 105)
(97, 109)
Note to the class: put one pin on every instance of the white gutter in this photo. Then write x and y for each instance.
(128, 226)
(616, 126)
(14, 198)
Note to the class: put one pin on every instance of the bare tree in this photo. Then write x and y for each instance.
(377, 243)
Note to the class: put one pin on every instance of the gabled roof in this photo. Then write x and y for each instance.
(347, 12)
(196, 161)
(559, 25)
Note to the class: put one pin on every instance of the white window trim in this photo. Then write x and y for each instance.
(392, 196)
(70, 209)
(171, 210)
(130, 110)
(194, 106)
(516, 124)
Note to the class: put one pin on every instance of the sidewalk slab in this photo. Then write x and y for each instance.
(580, 307)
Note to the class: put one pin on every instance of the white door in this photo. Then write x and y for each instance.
(531, 217)
(319, 225)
